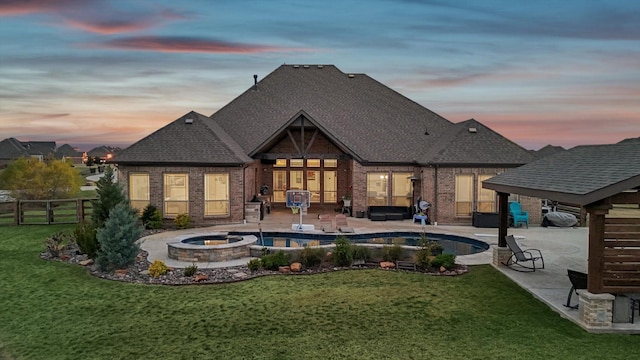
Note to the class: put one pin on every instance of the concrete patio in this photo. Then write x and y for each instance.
(563, 248)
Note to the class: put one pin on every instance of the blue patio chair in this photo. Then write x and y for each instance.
(519, 217)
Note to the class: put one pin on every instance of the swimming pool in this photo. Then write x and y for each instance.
(453, 244)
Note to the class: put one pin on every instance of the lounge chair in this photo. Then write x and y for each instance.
(518, 216)
(342, 225)
(578, 281)
(326, 223)
(521, 258)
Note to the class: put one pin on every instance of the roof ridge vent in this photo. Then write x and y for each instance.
(351, 76)
(320, 66)
(296, 66)
(305, 66)
(473, 130)
(188, 121)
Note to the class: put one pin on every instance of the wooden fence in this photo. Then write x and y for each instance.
(45, 212)
(621, 255)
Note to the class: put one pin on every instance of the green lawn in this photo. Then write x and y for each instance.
(52, 310)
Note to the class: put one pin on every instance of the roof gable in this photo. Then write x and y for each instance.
(10, 148)
(191, 139)
(352, 108)
(472, 143)
(581, 175)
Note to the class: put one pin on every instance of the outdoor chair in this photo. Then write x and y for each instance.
(342, 225)
(326, 223)
(525, 260)
(518, 216)
(578, 282)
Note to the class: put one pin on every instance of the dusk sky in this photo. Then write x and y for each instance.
(94, 72)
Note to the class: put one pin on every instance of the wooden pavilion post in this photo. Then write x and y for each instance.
(503, 213)
(595, 256)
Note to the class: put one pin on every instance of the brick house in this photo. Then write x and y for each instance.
(316, 128)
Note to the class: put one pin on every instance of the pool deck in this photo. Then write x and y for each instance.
(562, 248)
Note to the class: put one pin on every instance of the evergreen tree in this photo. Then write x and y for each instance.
(110, 194)
(118, 239)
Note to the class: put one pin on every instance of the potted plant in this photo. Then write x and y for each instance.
(347, 197)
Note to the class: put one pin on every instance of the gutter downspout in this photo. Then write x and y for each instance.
(435, 197)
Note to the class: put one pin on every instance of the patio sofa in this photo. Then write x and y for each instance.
(382, 213)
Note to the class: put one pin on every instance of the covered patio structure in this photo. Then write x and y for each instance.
(595, 177)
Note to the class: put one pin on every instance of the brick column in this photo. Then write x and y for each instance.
(500, 255)
(596, 310)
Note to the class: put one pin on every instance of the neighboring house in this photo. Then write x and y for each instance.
(69, 153)
(104, 153)
(12, 149)
(316, 128)
(547, 151)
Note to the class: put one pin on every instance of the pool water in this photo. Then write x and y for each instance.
(453, 244)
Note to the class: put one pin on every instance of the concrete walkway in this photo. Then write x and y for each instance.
(562, 248)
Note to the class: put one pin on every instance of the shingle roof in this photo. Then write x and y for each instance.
(372, 121)
(548, 150)
(11, 148)
(39, 147)
(581, 175)
(67, 150)
(365, 118)
(191, 139)
(471, 143)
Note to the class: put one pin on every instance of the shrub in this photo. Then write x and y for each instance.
(86, 238)
(394, 252)
(254, 265)
(448, 261)
(56, 243)
(118, 239)
(361, 253)
(189, 270)
(274, 261)
(343, 253)
(311, 256)
(182, 221)
(109, 194)
(151, 217)
(158, 268)
(422, 258)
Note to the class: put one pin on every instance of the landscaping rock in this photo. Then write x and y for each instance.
(284, 269)
(86, 262)
(200, 277)
(296, 267)
(387, 265)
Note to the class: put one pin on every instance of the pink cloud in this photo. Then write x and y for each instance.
(188, 45)
(106, 27)
(23, 7)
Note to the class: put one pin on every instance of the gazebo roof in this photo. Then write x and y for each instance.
(580, 176)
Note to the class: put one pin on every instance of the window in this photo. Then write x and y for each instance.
(176, 194)
(401, 189)
(313, 185)
(280, 163)
(295, 180)
(216, 194)
(279, 186)
(377, 188)
(486, 197)
(330, 187)
(139, 190)
(313, 163)
(330, 163)
(464, 195)
(296, 163)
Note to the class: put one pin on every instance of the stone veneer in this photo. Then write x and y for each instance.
(596, 310)
(210, 253)
(501, 255)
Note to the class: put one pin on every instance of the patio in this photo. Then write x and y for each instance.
(563, 248)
